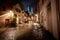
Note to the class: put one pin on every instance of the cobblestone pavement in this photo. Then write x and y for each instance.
(24, 33)
(12, 33)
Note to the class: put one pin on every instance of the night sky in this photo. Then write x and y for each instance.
(26, 5)
(29, 5)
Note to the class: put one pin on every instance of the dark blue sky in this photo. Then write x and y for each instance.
(29, 5)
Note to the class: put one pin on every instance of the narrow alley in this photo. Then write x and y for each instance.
(29, 19)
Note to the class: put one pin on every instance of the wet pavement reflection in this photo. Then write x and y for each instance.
(12, 33)
(36, 32)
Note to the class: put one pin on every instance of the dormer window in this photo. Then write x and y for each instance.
(18, 10)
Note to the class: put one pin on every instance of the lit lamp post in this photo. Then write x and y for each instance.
(17, 20)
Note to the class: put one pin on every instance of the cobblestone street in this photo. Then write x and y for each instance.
(13, 33)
